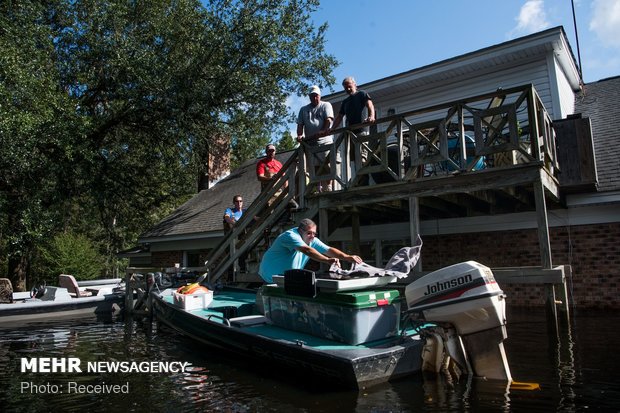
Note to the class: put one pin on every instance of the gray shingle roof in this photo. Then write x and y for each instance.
(601, 103)
(203, 213)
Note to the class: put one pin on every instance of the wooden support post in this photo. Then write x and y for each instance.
(414, 225)
(301, 175)
(231, 252)
(543, 225)
(462, 141)
(355, 231)
(128, 293)
(378, 254)
(534, 130)
(346, 159)
(401, 155)
(564, 309)
(323, 225)
(545, 251)
(414, 218)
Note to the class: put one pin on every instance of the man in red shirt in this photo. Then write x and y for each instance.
(267, 167)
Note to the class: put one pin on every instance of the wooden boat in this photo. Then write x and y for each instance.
(349, 333)
(69, 299)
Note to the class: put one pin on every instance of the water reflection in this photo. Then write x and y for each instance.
(575, 372)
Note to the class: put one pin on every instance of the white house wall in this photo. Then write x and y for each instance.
(535, 72)
(564, 102)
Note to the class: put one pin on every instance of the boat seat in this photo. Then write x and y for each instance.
(6, 291)
(68, 281)
(249, 321)
(300, 282)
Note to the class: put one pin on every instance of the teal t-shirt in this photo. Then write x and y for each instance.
(283, 254)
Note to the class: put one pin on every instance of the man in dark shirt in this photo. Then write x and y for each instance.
(353, 106)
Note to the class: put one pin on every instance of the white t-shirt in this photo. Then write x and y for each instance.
(313, 119)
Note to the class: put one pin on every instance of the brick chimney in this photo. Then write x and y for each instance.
(217, 162)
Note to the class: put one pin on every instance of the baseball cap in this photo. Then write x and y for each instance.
(315, 89)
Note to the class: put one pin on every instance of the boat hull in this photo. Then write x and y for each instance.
(319, 360)
(25, 311)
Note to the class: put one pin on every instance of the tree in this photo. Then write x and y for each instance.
(35, 144)
(107, 108)
(286, 142)
(69, 253)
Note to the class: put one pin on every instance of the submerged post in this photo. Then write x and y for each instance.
(128, 292)
(545, 252)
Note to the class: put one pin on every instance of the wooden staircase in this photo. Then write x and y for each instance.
(423, 163)
(267, 217)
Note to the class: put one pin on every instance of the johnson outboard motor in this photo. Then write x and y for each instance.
(467, 296)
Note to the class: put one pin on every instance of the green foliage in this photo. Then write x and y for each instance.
(286, 142)
(107, 108)
(36, 139)
(70, 253)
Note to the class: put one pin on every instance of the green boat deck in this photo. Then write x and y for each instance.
(229, 304)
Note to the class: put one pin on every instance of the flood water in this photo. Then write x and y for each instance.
(576, 373)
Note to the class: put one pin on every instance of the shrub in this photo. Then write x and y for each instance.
(73, 254)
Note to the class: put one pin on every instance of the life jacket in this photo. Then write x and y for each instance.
(192, 289)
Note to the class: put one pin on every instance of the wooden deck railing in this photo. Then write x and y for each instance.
(498, 129)
(494, 130)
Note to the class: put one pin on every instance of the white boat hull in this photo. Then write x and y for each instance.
(56, 303)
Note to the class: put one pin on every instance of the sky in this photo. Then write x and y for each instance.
(373, 39)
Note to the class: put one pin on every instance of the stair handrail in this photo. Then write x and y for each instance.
(269, 213)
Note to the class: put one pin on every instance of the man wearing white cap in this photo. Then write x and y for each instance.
(313, 123)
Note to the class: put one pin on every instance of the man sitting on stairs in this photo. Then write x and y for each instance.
(233, 214)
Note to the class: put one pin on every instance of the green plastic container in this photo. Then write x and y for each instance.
(352, 317)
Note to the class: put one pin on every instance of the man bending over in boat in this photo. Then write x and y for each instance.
(294, 248)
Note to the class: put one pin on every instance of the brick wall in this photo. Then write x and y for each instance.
(166, 259)
(217, 162)
(593, 251)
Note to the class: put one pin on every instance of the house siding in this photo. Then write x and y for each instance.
(566, 94)
(535, 72)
